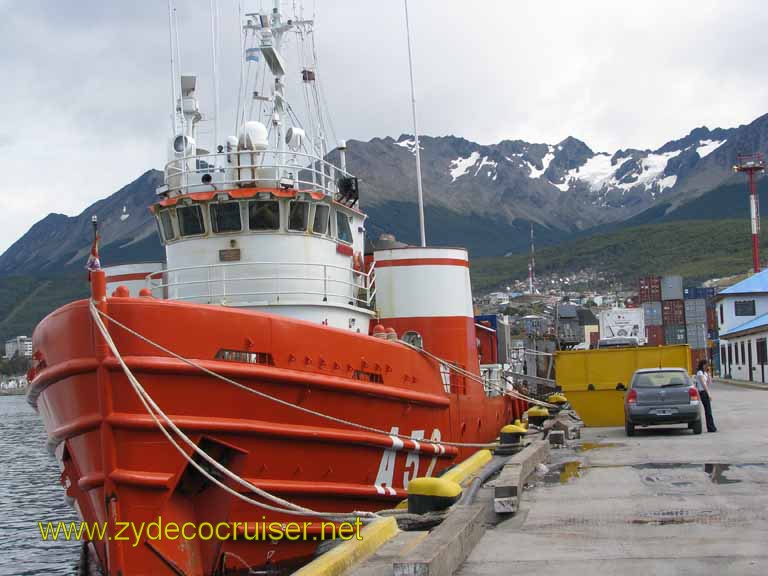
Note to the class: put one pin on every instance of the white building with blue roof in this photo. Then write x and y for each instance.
(742, 314)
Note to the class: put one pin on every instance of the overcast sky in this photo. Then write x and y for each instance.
(86, 85)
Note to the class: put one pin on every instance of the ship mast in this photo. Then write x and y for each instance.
(422, 233)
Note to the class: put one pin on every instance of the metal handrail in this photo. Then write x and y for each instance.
(225, 295)
(264, 262)
(178, 168)
(160, 280)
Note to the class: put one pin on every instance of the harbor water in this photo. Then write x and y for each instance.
(30, 492)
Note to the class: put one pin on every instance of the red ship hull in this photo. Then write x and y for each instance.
(119, 468)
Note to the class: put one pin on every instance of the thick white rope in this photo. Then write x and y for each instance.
(285, 402)
(476, 378)
(153, 409)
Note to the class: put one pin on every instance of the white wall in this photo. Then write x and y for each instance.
(730, 320)
(21, 345)
(739, 366)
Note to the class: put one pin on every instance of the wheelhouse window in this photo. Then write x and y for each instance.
(343, 231)
(225, 217)
(321, 220)
(298, 216)
(167, 225)
(264, 215)
(190, 220)
(744, 307)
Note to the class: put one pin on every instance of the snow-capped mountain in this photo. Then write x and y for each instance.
(565, 185)
(485, 197)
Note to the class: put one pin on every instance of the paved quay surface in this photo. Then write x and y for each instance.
(663, 502)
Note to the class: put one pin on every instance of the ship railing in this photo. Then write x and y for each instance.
(265, 283)
(261, 169)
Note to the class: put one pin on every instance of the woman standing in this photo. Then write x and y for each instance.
(703, 380)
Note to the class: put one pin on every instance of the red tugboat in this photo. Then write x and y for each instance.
(291, 360)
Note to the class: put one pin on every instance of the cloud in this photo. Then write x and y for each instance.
(87, 105)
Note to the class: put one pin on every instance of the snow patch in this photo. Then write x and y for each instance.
(598, 171)
(409, 145)
(545, 162)
(706, 147)
(652, 167)
(486, 162)
(564, 187)
(461, 166)
(667, 182)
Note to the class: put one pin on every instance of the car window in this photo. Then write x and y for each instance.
(661, 379)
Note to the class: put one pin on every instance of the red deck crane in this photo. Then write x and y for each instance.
(753, 164)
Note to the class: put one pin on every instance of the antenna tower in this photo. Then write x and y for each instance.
(753, 164)
(532, 265)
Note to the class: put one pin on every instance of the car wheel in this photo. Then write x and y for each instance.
(630, 428)
(696, 426)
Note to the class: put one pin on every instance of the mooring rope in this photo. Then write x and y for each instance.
(435, 443)
(476, 378)
(153, 409)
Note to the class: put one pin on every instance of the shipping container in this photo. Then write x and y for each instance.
(673, 312)
(671, 287)
(695, 311)
(696, 333)
(674, 334)
(654, 335)
(650, 289)
(697, 292)
(652, 313)
(696, 356)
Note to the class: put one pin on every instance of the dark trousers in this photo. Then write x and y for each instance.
(708, 411)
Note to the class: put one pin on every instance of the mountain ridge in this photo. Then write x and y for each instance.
(485, 196)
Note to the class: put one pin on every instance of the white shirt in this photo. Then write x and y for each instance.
(701, 378)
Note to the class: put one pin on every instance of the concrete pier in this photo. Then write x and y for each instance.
(663, 502)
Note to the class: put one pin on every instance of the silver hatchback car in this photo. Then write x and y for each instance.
(661, 396)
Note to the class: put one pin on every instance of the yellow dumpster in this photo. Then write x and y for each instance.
(595, 380)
